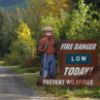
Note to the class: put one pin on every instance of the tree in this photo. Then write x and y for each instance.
(4, 38)
(23, 47)
(95, 4)
(48, 7)
(75, 21)
(44, 8)
(7, 34)
(1, 34)
(1, 21)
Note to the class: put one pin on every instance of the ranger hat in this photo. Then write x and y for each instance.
(48, 28)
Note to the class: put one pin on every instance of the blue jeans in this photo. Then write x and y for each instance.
(49, 64)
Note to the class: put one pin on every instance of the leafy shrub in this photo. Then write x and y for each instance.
(23, 47)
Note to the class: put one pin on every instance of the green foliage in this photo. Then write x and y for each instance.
(91, 29)
(1, 21)
(75, 21)
(4, 36)
(21, 69)
(72, 24)
(47, 7)
(23, 47)
(1, 33)
(81, 23)
(69, 21)
(95, 4)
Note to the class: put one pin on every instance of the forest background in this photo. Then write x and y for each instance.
(21, 27)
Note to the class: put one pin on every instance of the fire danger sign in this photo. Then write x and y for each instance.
(78, 63)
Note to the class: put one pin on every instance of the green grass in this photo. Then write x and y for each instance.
(20, 69)
(75, 92)
(63, 91)
(58, 91)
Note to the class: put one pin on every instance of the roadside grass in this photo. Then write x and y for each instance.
(75, 92)
(58, 91)
(20, 69)
(64, 91)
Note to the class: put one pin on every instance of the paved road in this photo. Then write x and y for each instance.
(13, 88)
